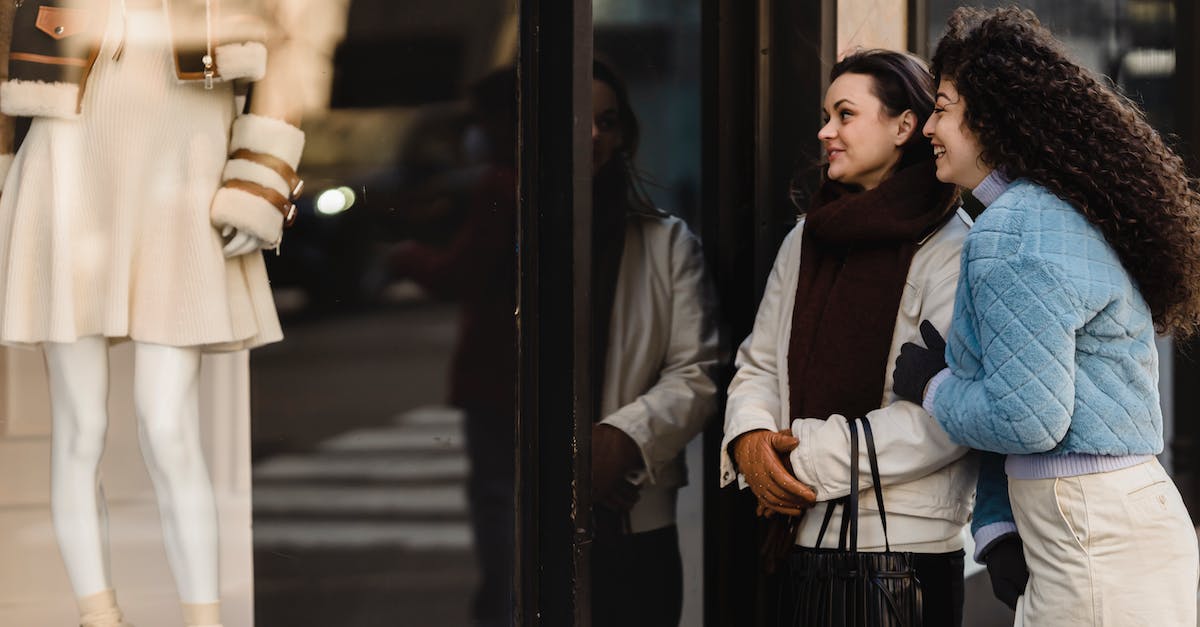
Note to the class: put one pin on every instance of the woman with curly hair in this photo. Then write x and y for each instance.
(1089, 243)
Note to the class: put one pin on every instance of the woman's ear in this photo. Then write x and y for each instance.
(906, 128)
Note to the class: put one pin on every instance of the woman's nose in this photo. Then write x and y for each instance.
(827, 131)
(926, 130)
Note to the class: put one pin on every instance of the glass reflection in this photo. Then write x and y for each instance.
(655, 345)
(654, 356)
(383, 423)
(477, 267)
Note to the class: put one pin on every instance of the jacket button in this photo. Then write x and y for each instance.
(58, 30)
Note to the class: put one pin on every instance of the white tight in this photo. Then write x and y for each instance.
(166, 401)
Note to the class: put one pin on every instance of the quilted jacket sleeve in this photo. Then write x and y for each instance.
(1025, 316)
(993, 517)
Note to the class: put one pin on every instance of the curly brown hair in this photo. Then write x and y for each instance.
(1040, 116)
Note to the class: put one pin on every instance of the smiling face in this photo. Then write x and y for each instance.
(606, 125)
(956, 149)
(861, 139)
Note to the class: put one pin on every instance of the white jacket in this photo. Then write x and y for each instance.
(929, 482)
(659, 383)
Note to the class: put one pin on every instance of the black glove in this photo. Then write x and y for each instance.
(916, 365)
(1007, 570)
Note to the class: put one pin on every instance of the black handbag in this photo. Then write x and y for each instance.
(844, 587)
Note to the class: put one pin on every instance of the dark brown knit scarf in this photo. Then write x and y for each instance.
(854, 257)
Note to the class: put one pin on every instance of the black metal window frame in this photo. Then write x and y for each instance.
(765, 65)
(554, 408)
(1185, 444)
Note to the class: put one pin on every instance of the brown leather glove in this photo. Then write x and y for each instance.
(761, 458)
(614, 455)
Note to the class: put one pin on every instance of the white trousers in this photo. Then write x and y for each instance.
(1111, 549)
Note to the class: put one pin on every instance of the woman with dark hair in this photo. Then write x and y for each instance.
(1089, 243)
(655, 353)
(875, 253)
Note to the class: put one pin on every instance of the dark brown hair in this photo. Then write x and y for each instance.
(1040, 116)
(901, 82)
(622, 171)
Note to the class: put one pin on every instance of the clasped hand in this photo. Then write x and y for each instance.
(761, 457)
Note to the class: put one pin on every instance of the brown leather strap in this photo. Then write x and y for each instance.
(41, 58)
(281, 167)
(285, 206)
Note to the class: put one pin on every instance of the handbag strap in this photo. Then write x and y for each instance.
(849, 503)
(848, 534)
(875, 482)
(828, 516)
(850, 513)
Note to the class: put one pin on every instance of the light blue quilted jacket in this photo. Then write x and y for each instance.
(1052, 347)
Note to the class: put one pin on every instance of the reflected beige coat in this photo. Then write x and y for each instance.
(659, 385)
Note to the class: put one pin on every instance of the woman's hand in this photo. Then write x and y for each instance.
(1007, 570)
(614, 455)
(916, 365)
(760, 456)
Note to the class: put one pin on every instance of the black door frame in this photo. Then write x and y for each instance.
(554, 398)
(765, 64)
(1185, 441)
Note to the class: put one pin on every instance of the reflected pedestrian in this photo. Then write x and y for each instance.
(655, 352)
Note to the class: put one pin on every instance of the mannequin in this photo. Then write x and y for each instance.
(135, 210)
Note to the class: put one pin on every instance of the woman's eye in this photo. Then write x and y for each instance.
(938, 110)
(606, 124)
(844, 114)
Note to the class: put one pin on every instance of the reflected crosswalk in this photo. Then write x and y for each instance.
(402, 485)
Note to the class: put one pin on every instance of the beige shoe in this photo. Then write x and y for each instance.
(202, 614)
(100, 610)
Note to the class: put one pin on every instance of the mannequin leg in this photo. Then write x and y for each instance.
(166, 399)
(79, 406)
